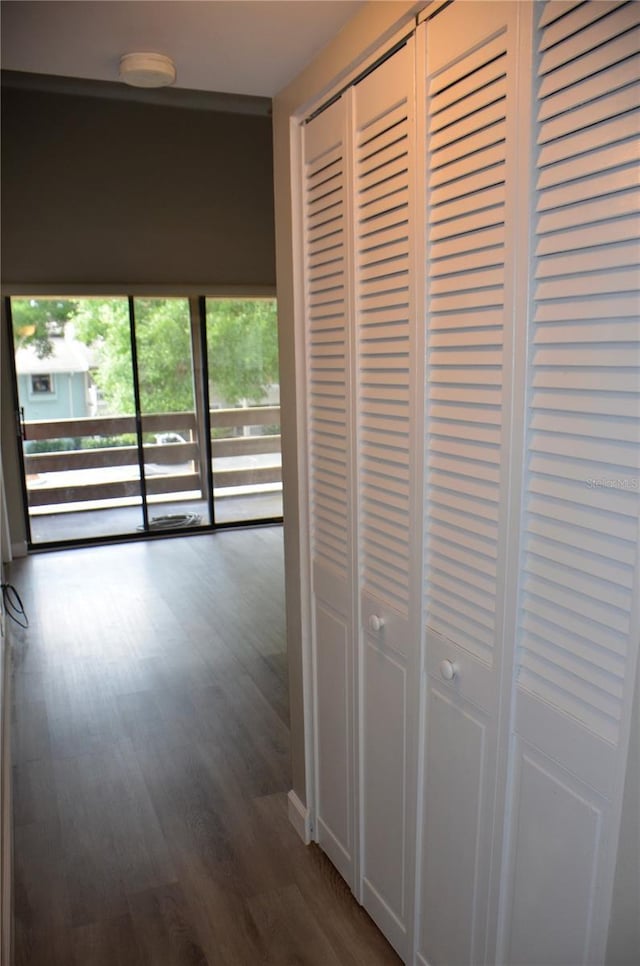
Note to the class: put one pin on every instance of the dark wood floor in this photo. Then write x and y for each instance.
(151, 765)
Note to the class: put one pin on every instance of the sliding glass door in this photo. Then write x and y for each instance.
(146, 414)
(172, 413)
(244, 390)
(80, 450)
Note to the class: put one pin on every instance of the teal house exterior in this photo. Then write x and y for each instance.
(58, 386)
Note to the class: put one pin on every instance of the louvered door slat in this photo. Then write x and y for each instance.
(618, 49)
(553, 11)
(587, 188)
(576, 20)
(590, 38)
(600, 136)
(600, 257)
(376, 157)
(575, 169)
(481, 129)
(486, 90)
(590, 89)
(485, 136)
(382, 130)
(611, 105)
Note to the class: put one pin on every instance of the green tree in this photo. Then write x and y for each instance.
(36, 321)
(104, 324)
(163, 349)
(164, 355)
(242, 345)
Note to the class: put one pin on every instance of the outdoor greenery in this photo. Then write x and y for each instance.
(66, 443)
(35, 321)
(241, 343)
(242, 346)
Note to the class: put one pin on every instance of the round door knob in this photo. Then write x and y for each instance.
(448, 670)
(376, 623)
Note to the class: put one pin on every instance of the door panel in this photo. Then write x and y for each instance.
(470, 105)
(334, 735)
(558, 830)
(74, 382)
(244, 413)
(387, 487)
(578, 630)
(385, 779)
(173, 444)
(456, 753)
(330, 475)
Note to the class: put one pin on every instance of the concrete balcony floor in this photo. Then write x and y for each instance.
(124, 520)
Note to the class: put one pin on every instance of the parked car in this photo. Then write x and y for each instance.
(162, 438)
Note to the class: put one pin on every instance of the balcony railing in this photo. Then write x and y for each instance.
(170, 468)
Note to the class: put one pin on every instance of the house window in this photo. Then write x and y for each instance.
(42, 384)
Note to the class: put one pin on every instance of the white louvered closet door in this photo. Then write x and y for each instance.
(579, 629)
(388, 512)
(471, 134)
(330, 474)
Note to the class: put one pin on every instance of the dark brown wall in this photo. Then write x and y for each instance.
(111, 192)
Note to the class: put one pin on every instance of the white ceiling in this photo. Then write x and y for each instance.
(236, 46)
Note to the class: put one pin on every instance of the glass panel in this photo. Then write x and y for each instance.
(172, 414)
(75, 390)
(244, 390)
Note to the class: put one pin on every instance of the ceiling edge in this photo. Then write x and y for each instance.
(111, 90)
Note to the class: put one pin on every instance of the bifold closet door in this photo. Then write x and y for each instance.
(387, 396)
(579, 623)
(330, 475)
(471, 135)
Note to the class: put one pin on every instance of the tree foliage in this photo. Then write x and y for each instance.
(241, 344)
(104, 324)
(242, 347)
(37, 321)
(163, 352)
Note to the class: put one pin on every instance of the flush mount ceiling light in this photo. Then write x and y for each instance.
(147, 70)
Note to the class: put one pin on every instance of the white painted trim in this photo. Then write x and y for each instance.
(304, 528)
(299, 816)
(418, 310)
(356, 699)
(18, 549)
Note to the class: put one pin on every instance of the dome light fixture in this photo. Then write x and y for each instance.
(147, 70)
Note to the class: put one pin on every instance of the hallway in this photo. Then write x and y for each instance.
(151, 766)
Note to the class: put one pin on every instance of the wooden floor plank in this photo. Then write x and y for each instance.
(151, 766)
(109, 942)
(289, 930)
(164, 928)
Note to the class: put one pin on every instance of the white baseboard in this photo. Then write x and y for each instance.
(299, 817)
(19, 549)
